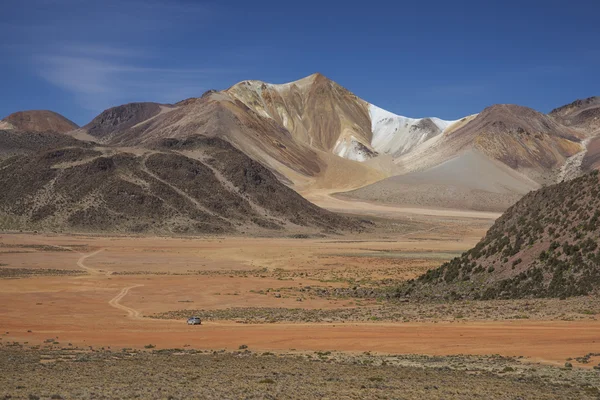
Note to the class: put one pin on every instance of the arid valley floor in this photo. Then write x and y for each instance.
(297, 301)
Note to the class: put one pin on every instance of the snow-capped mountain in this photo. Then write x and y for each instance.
(325, 115)
(317, 135)
(397, 135)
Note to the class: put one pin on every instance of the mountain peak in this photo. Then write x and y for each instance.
(40, 121)
(318, 75)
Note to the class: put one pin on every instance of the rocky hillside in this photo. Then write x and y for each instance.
(198, 185)
(13, 142)
(39, 121)
(546, 245)
(583, 113)
(118, 119)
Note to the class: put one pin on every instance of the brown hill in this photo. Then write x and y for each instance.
(197, 185)
(580, 113)
(40, 121)
(546, 245)
(523, 139)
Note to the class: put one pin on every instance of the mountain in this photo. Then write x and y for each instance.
(484, 162)
(580, 113)
(38, 121)
(322, 114)
(521, 138)
(189, 186)
(316, 111)
(308, 132)
(318, 137)
(311, 135)
(546, 245)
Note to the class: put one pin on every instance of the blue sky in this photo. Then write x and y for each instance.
(418, 58)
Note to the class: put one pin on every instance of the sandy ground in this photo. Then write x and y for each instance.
(106, 308)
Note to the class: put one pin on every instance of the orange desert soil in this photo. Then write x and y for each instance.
(106, 308)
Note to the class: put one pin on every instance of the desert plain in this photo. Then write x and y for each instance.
(288, 296)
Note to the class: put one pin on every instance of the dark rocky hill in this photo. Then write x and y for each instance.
(200, 185)
(546, 245)
(121, 118)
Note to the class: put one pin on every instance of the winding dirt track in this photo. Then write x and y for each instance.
(114, 302)
(92, 271)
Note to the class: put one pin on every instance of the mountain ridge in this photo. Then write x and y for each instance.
(314, 134)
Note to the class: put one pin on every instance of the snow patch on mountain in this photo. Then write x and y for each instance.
(352, 149)
(396, 135)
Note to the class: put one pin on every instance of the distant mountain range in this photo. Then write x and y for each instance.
(317, 137)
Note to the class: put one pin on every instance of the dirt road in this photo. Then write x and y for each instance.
(115, 302)
(81, 264)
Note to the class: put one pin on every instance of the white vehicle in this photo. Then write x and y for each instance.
(194, 321)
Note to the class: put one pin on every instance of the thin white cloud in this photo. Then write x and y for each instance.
(101, 77)
(109, 52)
